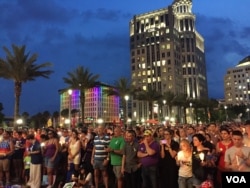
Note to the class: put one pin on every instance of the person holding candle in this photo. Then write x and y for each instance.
(221, 147)
(237, 158)
(167, 163)
(36, 158)
(184, 161)
(74, 150)
(199, 170)
(84, 179)
(51, 149)
(246, 139)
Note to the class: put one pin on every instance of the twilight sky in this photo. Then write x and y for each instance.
(95, 34)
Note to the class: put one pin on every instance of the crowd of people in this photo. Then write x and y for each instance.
(183, 156)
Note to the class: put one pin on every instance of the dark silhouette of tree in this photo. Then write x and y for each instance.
(1, 114)
(150, 95)
(20, 67)
(81, 79)
(122, 88)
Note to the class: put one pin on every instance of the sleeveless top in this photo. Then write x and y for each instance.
(50, 150)
(74, 147)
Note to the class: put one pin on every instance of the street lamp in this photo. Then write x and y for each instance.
(129, 121)
(247, 110)
(126, 97)
(70, 93)
(191, 118)
(19, 121)
(163, 111)
(225, 107)
(67, 121)
(99, 121)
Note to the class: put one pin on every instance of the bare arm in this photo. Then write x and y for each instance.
(56, 142)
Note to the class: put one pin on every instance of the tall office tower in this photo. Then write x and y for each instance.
(237, 83)
(167, 54)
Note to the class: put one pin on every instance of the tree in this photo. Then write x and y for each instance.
(122, 88)
(55, 118)
(81, 79)
(181, 102)
(150, 96)
(169, 97)
(1, 114)
(20, 67)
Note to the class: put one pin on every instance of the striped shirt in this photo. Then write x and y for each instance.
(100, 144)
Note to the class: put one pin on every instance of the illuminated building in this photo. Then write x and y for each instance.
(97, 105)
(237, 83)
(167, 54)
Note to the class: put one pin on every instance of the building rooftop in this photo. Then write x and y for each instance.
(244, 62)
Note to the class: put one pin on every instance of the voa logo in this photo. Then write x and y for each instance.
(236, 179)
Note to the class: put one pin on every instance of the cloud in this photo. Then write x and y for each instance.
(101, 14)
(95, 34)
(224, 48)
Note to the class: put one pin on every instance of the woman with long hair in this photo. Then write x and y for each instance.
(50, 153)
(84, 179)
(167, 163)
(74, 150)
(199, 154)
(221, 147)
(184, 161)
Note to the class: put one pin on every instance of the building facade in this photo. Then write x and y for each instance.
(167, 54)
(237, 83)
(98, 105)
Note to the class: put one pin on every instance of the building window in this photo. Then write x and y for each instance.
(184, 71)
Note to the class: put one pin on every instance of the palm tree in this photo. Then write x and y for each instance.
(169, 97)
(182, 104)
(150, 96)
(20, 67)
(1, 114)
(81, 79)
(122, 88)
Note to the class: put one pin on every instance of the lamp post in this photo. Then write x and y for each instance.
(247, 110)
(19, 122)
(126, 97)
(99, 121)
(70, 93)
(163, 111)
(225, 107)
(191, 118)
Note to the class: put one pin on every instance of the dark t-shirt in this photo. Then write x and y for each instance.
(198, 170)
(36, 158)
(151, 159)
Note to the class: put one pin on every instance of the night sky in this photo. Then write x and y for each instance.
(95, 34)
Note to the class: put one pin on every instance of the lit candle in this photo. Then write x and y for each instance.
(62, 142)
(180, 156)
(202, 156)
(42, 144)
(237, 160)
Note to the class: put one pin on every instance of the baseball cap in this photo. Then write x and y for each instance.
(147, 133)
